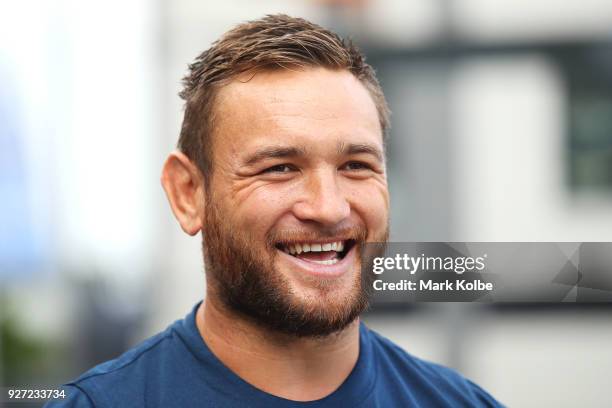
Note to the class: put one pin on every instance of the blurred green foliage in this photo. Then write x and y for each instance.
(23, 360)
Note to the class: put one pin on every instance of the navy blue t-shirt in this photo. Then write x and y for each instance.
(176, 369)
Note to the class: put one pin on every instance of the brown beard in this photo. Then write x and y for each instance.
(246, 282)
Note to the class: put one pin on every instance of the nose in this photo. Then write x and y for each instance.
(322, 200)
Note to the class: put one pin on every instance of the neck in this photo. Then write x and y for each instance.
(298, 369)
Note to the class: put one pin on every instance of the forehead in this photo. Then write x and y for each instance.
(307, 105)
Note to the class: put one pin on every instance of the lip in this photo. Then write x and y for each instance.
(319, 241)
(323, 271)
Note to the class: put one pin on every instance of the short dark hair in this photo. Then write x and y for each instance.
(272, 42)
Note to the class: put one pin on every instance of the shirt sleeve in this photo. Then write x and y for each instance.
(483, 398)
(75, 398)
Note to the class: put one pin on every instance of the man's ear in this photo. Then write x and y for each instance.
(183, 184)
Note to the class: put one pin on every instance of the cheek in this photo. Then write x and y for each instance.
(371, 202)
(258, 209)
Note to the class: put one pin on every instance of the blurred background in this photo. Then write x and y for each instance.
(502, 131)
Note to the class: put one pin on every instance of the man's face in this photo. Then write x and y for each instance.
(298, 183)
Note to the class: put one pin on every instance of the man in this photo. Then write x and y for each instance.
(281, 166)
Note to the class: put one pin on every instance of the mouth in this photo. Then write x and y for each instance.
(326, 260)
(321, 253)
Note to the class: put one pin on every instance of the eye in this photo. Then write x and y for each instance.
(280, 168)
(356, 166)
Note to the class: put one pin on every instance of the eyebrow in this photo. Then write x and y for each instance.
(361, 148)
(274, 152)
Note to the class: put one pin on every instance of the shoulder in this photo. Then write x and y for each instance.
(126, 377)
(73, 397)
(391, 355)
(429, 379)
(130, 357)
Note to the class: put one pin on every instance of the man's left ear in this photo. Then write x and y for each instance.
(183, 184)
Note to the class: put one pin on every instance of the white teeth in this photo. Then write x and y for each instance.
(294, 249)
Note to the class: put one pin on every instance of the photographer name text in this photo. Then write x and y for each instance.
(431, 285)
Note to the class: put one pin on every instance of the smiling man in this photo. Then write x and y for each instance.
(281, 167)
